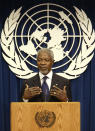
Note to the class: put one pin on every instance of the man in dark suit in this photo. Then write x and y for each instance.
(46, 86)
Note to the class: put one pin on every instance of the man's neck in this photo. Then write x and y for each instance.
(49, 74)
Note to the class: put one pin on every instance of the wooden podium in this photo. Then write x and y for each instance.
(45, 116)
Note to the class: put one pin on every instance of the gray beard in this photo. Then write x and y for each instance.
(45, 72)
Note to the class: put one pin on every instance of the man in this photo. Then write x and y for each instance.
(46, 86)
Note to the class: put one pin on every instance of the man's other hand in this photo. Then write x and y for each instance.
(30, 92)
(59, 93)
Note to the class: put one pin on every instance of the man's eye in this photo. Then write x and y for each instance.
(47, 60)
(39, 60)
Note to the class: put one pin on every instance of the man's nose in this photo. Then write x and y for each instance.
(43, 62)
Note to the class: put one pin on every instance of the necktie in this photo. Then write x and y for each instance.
(45, 89)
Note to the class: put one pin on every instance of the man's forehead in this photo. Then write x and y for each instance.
(44, 54)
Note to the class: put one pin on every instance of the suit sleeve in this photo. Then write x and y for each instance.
(22, 90)
(68, 84)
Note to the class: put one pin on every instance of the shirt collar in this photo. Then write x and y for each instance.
(49, 75)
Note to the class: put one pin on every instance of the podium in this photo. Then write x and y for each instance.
(45, 116)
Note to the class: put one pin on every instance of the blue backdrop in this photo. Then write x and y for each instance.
(83, 88)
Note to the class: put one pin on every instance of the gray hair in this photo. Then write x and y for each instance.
(48, 51)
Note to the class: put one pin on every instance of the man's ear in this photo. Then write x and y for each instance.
(52, 62)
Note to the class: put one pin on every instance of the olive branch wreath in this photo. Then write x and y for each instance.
(80, 63)
(16, 63)
(19, 67)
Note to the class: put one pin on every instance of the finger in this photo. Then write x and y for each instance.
(35, 93)
(53, 94)
(56, 88)
(64, 89)
(57, 91)
(26, 86)
(56, 95)
(35, 89)
(31, 94)
(53, 89)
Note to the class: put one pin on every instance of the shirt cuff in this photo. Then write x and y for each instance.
(25, 100)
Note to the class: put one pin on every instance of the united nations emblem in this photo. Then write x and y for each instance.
(45, 118)
(70, 37)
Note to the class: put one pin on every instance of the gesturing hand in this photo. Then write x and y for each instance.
(31, 92)
(59, 93)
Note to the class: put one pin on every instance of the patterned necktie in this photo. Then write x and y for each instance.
(45, 89)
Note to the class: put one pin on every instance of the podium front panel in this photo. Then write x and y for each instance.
(45, 116)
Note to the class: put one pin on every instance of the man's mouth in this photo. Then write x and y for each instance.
(43, 68)
(44, 71)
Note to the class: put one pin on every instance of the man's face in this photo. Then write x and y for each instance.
(44, 62)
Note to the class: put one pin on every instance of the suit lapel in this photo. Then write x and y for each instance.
(52, 84)
(37, 81)
(53, 80)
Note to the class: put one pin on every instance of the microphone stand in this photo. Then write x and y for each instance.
(45, 96)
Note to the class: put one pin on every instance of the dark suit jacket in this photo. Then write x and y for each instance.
(56, 80)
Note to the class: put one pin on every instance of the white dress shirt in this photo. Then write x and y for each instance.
(48, 80)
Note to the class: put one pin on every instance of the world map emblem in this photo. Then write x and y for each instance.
(48, 25)
(45, 118)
